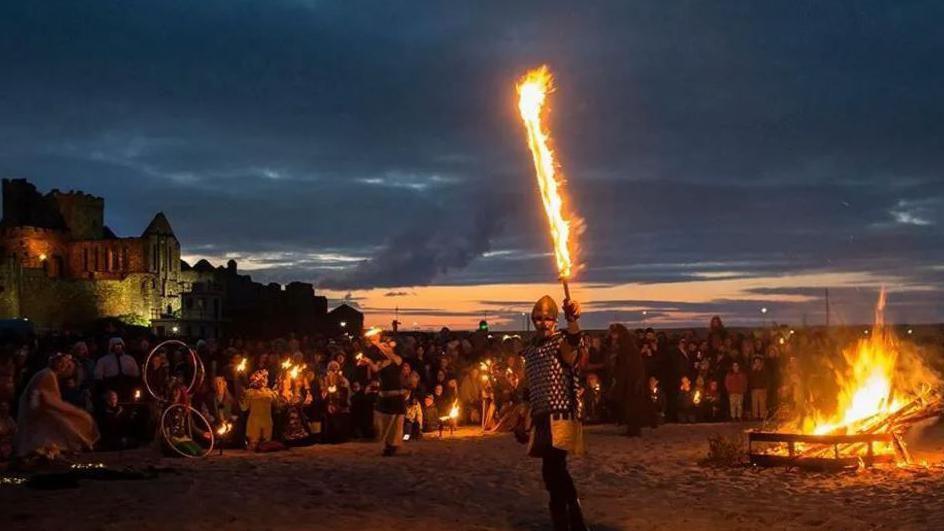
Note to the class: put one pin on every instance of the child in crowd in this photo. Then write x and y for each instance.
(657, 401)
(736, 384)
(711, 403)
(686, 401)
(413, 421)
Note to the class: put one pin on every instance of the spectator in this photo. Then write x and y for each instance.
(117, 371)
(711, 403)
(736, 384)
(657, 402)
(628, 391)
(115, 424)
(220, 407)
(686, 401)
(759, 382)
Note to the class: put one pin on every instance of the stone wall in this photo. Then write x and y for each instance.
(83, 214)
(32, 246)
(107, 259)
(58, 302)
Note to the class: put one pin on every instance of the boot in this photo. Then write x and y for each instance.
(575, 516)
(559, 516)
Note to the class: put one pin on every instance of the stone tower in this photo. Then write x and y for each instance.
(162, 251)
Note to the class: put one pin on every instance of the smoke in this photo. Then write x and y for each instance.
(443, 239)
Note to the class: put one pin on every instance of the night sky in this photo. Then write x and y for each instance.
(725, 157)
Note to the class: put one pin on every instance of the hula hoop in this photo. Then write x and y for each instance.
(167, 438)
(198, 369)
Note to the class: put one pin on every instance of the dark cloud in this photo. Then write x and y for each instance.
(422, 254)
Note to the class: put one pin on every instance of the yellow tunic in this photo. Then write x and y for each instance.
(258, 402)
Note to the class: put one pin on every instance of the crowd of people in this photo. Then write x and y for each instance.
(108, 392)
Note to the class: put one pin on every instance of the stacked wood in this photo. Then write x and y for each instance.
(896, 423)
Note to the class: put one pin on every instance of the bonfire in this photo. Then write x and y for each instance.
(884, 388)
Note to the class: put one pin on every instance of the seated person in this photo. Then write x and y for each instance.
(47, 424)
(115, 424)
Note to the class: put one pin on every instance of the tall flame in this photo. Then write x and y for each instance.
(878, 378)
(533, 88)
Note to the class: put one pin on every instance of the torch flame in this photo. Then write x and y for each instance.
(374, 330)
(454, 412)
(242, 366)
(532, 94)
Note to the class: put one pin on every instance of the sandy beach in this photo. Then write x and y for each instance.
(471, 481)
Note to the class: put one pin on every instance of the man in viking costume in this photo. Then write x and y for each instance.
(551, 384)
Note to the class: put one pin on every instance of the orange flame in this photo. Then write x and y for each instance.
(881, 376)
(533, 88)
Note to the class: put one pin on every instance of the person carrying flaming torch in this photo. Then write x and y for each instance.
(390, 410)
(550, 423)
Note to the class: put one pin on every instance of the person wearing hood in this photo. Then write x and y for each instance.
(117, 371)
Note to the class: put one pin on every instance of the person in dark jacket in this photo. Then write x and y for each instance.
(628, 393)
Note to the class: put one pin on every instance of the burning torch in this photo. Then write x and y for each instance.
(533, 88)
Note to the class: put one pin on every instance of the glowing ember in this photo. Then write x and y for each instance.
(532, 95)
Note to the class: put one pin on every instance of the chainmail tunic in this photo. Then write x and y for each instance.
(552, 386)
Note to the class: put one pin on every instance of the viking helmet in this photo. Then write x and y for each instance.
(545, 307)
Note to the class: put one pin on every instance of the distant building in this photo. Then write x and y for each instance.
(61, 266)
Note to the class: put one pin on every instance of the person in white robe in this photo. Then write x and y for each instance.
(47, 424)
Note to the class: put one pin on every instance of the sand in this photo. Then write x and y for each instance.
(471, 481)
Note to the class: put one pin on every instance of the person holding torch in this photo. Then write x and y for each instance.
(390, 409)
(553, 413)
(551, 360)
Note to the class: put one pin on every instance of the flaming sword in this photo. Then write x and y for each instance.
(533, 88)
